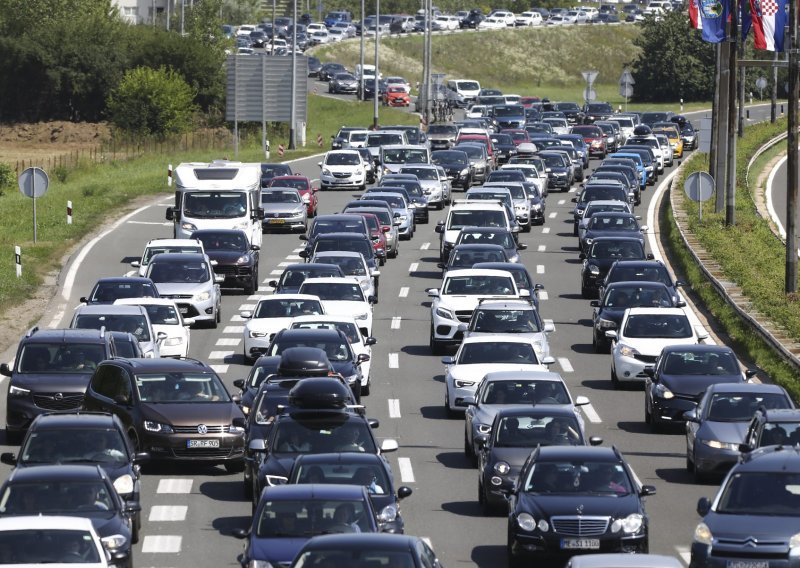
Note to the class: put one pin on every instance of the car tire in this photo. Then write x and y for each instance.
(216, 319)
(448, 412)
(252, 286)
(699, 476)
(575, 230)
(436, 347)
(648, 416)
(527, 228)
(513, 561)
(598, 346)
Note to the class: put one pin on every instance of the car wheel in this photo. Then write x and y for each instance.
(597, 346)
(135, 528)
(513, 561)
(447, 410)
(689, 462)
(436, 347)
(486, 508)
(252, 286)
(648, 416)
(699, 476)
(216, 319)
(248, 489)
(527, 228)
(365, 389)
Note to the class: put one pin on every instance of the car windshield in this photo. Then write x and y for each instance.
(132, 323)
(576, 477)
(439, 129)
(373, 477)
(405, 156)
(348, 328)
(554, 161)
(468, 85)
(343, 159)
(613, 223)
(110, 291)
(502, 238)
(320, 435)
(474, 152)
(394, 201)
(215, 204)
(510, 110)
(150, 252)
(466, 258)
(656, 273)
(173, 272)
(278, 308)
(350, 265)
(339, 291)
(500, 352)
(592, 209)
(621, 297)
(59, 358)
(233, 241)
(364, 246)
(180, 387)
(770, 493)
(377, 139)
(529, 432)
(90, 445)
(740, 407)
(48, 546)
(476, 218)
(336, 226)
(478, 286)
(450, 157)
(422, 173)
(64, 496)
(294, 278)
(314, 516)
(275, 170)
(673, 326)
(277, 196)
(507, 321)
(701, 363)
(160, 314)
(525, 392)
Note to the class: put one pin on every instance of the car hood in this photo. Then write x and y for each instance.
(276, 549)
(479, 370)
(452, 166)
(345, 308)
(604, 264)
(727, 432)
(54, 382)
(267, 325)
(568, 505)
(192, 414)
(758, 527)
(181, 288)
(593, 234)
(280, 208)
(694, 385)
(515, 457)
(654, 345)
(226, 256)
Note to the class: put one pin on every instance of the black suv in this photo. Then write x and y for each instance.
(50, 373)
(236, 259)
(601, 254)
(175, 409)
(772, 427)
(642, 271)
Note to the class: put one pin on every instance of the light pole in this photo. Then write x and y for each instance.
(361, 75)
(293, 111)
(377, 42)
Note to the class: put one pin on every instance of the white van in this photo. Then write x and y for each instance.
(464, 90)
(368, 72)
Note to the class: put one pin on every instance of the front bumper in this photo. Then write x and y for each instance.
(670, 409)
(21, 410)
(456, 395)
(721, 556)
(352, 180)
(297, 221)
(200, 311)
(174, 447)
(537, 544)
(630, 368)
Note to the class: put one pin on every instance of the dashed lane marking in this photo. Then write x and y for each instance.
(300, 249)
(403, 292)
(161, 544)
(540, 269)
(566, 366)
(394, 408)
(394, 361)
(220, 369)
(414, 267)
(424, 246)
(159, 223)
(244, 307)
(174, 485)
(285, 263)
(546, 231)
(167, 513)
(396, 322)
(541, 248)
(233, 329)
(543, 295)
(294, 257)
(591, 413)
(562, 201)
(406, 473)
(237, 317)
(552, 215)
(220, 354)
(684, 554)
(276, 272)
(228, 341)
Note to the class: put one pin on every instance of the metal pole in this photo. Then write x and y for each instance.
(730, 186)
(773, 107)
(422, 92)
(377, 73)
(740, 82)
(722, 125)
(293, 112)
(792, 157)
(183, 13)
(712, 153)
(169, 2)
(33, 193)
(361, 60)
(429, 76)
(272, 49)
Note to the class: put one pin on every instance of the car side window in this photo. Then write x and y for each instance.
(105, 379)
(426, 555)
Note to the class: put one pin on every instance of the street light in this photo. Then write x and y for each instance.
(293, 112)
(377, 42)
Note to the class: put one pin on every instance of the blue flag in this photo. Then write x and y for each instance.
(714, 16)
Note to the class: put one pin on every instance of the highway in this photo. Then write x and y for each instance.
(189, 511)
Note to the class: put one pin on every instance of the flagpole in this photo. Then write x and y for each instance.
(792, 157)
(730, 187)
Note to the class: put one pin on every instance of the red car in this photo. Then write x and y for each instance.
(303, 185)
(528, 102)
(396, 97)
(518, 135)
(594, 137)
(377, 235)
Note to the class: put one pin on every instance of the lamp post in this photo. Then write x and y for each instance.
(293, 111)
(361, 61)
(377, 42)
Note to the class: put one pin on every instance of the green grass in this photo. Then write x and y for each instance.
(100, 191)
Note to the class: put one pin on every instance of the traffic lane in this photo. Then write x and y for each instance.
(777, 185)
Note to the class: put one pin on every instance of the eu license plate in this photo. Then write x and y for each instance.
(580, 543)
(748, 564)
(277, 221)
(183, 310)
(202, 443)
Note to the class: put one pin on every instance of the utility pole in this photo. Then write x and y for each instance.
(293, 111)
(721, 155)
(429, 72)
(183, 14)
(740, 82)
(422, 94)
(712, 152)
(773, 110)
(377, 72)
(272, 49)
(730, 181)
(792, 157)
(361, 59)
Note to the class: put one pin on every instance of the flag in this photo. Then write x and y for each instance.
(745, 17)
(694, 15)
(769, 21)
(714, 18)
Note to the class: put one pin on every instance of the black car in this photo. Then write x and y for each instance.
(456, 165)
(336, 223)
(350, 468)
(369, 549)
(679, 377)
(575, 500)
(466, 255)
(269, 171)
(569, 110)
(597, 111)
(753, 518)
(592, 192)
(624, 174)
(126, 344)
(294, 275)
(559, 170)
(641, 271)
(612, 224)
(175, 409)
(314, 66)
(343, 83)
(329, 70)
(504, 146)
(75, 491)
(50, 372)
(508, 116)
(85, 438)
(772, 427)
(472, 20)
(601, 254)
(236, 259)
(263, 367)
(353, 242)
(338, 140)
(515, 432)
(108, 290)
(619, 296)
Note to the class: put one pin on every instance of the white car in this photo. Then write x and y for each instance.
(158, 246)
(477, 111)
(272, 314)
(165, 317)
(559, 125)
(492, 24)
(470, 214)
(529, 19)
(459, 295)
(336, 35)
(133, 319)
(354, 265)
(360, 343)
(342, 296)
(666, 149)
(478, 356)
(508, 18)
(398, 82)
(343, 169)
(445, 23)
(641, 336)
(63, 541)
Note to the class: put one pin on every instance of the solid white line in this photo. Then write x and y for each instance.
(174, 485)
(541, 248)
(404, 292)
(552, 215)
(244, 307)
(591, 413)
(549, 321)
(220, 369)
(394, 408)
(770, 204)
(394, 361)
(161, 544)
(414, 266)
(228, 341)
(168, 513)
(540, 269)
(276, 272)
(562, 201)
(396, 322)
(566, 366)
(162, 223)
(406, 473)
(220, 354)
(424, 246)
(58, 315)
(546, 231)
(293, 257)
(543, 295)
(233, 329)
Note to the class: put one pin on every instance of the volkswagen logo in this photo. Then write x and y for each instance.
(202, 429)
(58, 396)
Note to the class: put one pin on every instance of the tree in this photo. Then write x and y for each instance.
(152, 102)
(674, 63)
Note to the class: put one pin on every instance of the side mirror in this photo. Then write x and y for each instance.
(188, 322)
(749, 373)
(122, 400)
(594, 303)
(257, 445)
(389, 445)
(136, 263)
(272, 283)
(83, 300)
(703, 506)
(161, 336)
(170, 214)
(581, 400)
(549, 327)
(469, 401)
(644, 228)
(595, 440)
(433, 292)
(522, 246)
(611, 334)
(548, 360)
(650, 371)
(574, 199)
(303, 237)
(582, 256)
(5, 369)
(647, 490)
(462, 327)
(481, 440)
(8, 458)
(132, 507)
(372, 300)
(441, 265)
(448, 360)
(702, 334)
(403, 492)
(303, 254)
(319, 164)
(362, 358)
(650, 256)
(679, 283)
(691, 416)
(240, 533)
(246, 314)
(745, 448)
(439, 228)
(370, 341)
(239, 383)
(141, 457)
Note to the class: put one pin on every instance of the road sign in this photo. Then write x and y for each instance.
(625, 90)
(626, 78)
(699, 186)
(589, 76)
(761, 83)
(33, 182)
(589, 94)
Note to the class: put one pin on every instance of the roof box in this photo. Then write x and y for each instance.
(319, 392)
(304, 362)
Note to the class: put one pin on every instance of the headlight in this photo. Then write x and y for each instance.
(306, 198)
(526, 522)
(403, 218)
(236, 430)
(188, 227)
(387, 514)
(630, 524)
(362, 316)
(519, 207)
(702, 534)
(352, 378)
(459, 384)
(794, 542)
(242, 225)
(202, 296)
(502, 468)
(152, 426)
(543, 526)
(589, 241)
(258, 334)
(626, 351)
(663, 391)
(536, 206)
(172, 341)
(326, 172)
(243, 259)
(124, 484)
(593, 269)
(484, 428)
(606, 324)
(717, 445)
(464, 172)
(245, 410)
(17, 391)
(445, 313)
(114, 541)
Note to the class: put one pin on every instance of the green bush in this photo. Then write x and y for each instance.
(152, 102)
(7, 176)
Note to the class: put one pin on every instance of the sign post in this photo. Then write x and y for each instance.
(626, 83)
(33, 183)
(589, 93)
(699, 187)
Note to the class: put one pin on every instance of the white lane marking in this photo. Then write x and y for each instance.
(540, 269)
(406, 473)
(770, 205)
(404, 292)
(249, 307)
(552, 215)
(293, 257)
(301, 249)
(228, 341)
(265, 289)
(424, 246)
(58, 315)
(394, 408)
(161, 223)
(285, 263)
(566, 366)
(543, 295)
(276, 272)
(237, 317)
(255, 297)
(541, 248)
(174, 485)
(562, 201)
(546, 321)
(684, 553)
(161, 544)
(168, 513)
(233, 329)
(591, 413)
(414, 266)
(69, 281)
(396, 322)
(394, 361)
(573, 189)
(220, 369)
(546, 231)
(220, 354)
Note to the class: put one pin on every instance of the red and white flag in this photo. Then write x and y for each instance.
(694, 15)
(769, 21)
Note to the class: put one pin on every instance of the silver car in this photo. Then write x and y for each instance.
(434, 183)
(284, 208)
(399, 205)
(112, 317)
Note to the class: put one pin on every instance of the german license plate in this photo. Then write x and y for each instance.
(202, 443)
(580, 543)
(748, 564)
(277, 221)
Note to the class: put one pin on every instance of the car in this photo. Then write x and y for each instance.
(387, 243)
(232, 256)
(599, 206)
(368, 549)
(72, 540)
(465, 255)
(680, 376)
(49, 362)
(553, 484)
(126, 344)
(717, 427)
(504, 389)
(434, 181)
(624, 174)
(614, 191)
(491, 236)
(328, 70)
(342, 82)
(353, 242)
(473, 213)
(505, 146)
(522, 197)
(559, 169)
(292, 277)
(477, 356)
(612, 224)
(328, 224)
(508, 116)
(342, 296)
(396, 96)
(190, 280)
(353, 265)
(456, 164)
(673, 133)
(478, 159)
(270, 171)
(642, 271)
(666, 148)
(103, 317)
(612, 132)
(106, 290)
(283, 209)
(409, 186)
(622, 559)
(594, 137)
(82, 491)
(442, 135)
(525, 282)
(158, 246)
(772, 427)
(689, 136)
(474, 19)
(595, 111)
(617, 297)
(529, 19)
(270, 315)
(287, 516)
(343, 168)
(641, 336)
(569, 110)
(401, 210)
(344, 138)
(514, 432)
(165, 317)
(308, 192)
(175, 409)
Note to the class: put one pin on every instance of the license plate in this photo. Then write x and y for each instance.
(747, 564)
(277, 221)
(580, 543)
(202, 443)
(183, 310)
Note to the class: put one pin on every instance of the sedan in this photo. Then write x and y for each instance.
(302, 184)
(396, 96)
(601, 256)
(367, 550)
(457, 165)
(343, 83)
(283, 209)
(466, 255)
(612, 224)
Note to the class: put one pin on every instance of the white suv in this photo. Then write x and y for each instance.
(458, 297)
(343, 168)
(159, 246)
(465, 213)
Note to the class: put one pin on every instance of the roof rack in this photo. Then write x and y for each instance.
(31, 331)
(528, 299)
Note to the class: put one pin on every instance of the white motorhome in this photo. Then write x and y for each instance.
(217, 195)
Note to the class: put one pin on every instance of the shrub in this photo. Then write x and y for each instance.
(8, 176)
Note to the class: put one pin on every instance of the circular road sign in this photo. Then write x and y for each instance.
(626, 90)
(33, 182)
(589, 94)
(761, 83)
(699, 186)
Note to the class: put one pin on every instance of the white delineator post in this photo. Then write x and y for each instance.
(169, 175)
(69, 212)
(18, 261)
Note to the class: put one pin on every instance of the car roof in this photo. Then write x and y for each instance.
(342, 236)
(73, 420)
(64, 335)
(59, 472)
(477, 272)
(324, 253)
(144, 302)
(340, 457)
(554, 410)
(361, 541)
(523, 376)
(124, 280)
(477, 246)
(699, 348)
(42, 522)
(578, 452)
(289, 297)
(504, 266)
(782, 415)
(495, 338)
(655, 311)
(111, 309)
(764, 388)
(499, 304)
(330, 280)
(778, 459)
(310, 333)
(324, 318)
(624, 560)
(179, 256)
(165, 365)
